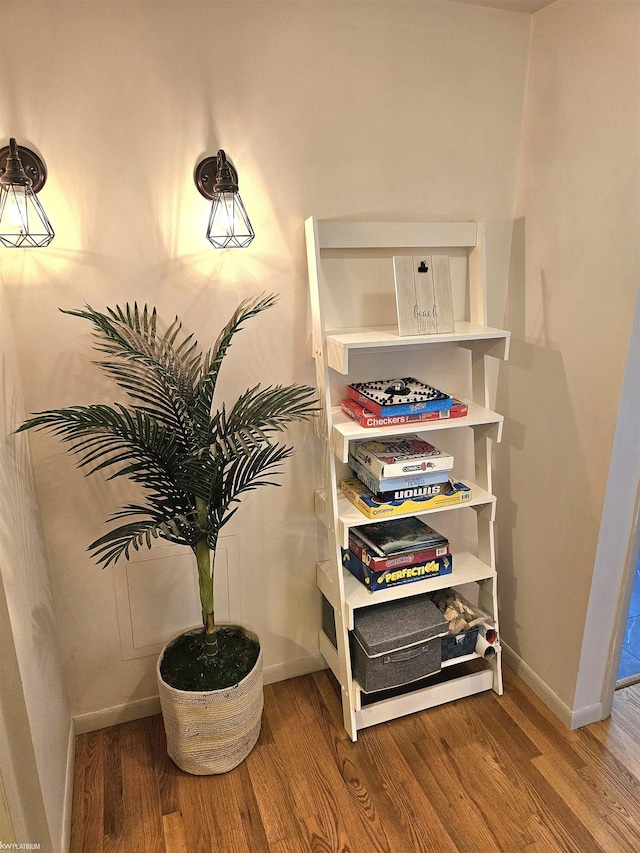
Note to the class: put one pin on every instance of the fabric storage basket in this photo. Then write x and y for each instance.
(456, 645)
(397, 642)
(215, 730)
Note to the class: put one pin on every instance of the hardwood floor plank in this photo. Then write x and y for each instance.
(543, 800)
(457, 810)
(592, 809)
(77, 805)
(248, 811)
(623, 838)
(419, 825)
(197, 820)
(113, 822)
(142, 808)
(322, 802)
(217, 799)
(495, 800)
(609, 777)
(368, 799)
(329, 690)
(537, 722)
(620, 733)
(173, 831)
(93, 801)
(162, 767)
(383, 830)
(274, 797)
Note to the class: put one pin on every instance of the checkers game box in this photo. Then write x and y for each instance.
(406, 396)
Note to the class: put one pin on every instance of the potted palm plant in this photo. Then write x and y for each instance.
(193, 463)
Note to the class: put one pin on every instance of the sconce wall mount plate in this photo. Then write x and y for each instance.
(32, 165)
(215, 174)
(23, 221)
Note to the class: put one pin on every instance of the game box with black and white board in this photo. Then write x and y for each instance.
(405, 396)
(369, 420)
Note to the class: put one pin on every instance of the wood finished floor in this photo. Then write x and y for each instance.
(483, 774)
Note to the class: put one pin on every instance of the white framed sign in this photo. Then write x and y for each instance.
(423, 294)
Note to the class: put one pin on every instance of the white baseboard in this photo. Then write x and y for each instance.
(572, 718)
(539, 687)
(65, 841)
(586, 716)
(293, 668)
(118, 714)
(94, 720)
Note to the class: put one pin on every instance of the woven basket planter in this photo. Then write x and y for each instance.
(212, 731)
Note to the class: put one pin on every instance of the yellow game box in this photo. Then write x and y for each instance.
(373, 507)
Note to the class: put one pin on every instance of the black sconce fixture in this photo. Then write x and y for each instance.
(229, 226)
(23, 222)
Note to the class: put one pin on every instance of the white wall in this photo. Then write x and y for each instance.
(374, 110)
(572, 290)
(36, 743)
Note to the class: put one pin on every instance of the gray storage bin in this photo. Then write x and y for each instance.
(398, 642)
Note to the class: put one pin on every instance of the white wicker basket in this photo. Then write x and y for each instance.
(212, 731)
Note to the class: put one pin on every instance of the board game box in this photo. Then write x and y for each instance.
(398, 535)
(412, 492)
(369, 419)
(394, 561)
(390, 484)
(399, 456)
(406, 396)
(372, 507)
(395, 576)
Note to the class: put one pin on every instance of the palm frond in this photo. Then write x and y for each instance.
(138, 534)
(153, 366)
(157, 397)
(213, 360)
(244, 474)
(272, 408)
(110, 435)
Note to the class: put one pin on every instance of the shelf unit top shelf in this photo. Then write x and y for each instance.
(394, 235)
(341, 342)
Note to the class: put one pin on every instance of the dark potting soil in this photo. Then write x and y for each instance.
(186, 667)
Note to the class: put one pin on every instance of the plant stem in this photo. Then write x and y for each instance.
(205, 582)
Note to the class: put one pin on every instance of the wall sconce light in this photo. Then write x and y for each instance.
(23, 221)
(229, 226)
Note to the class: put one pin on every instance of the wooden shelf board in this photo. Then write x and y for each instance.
(350, 516)
(345, 429)
(340, 342)
(426, 697)
(461, 659)
(467, 568)
(366, 235)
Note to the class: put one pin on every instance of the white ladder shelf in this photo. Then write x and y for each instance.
(332, 350)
